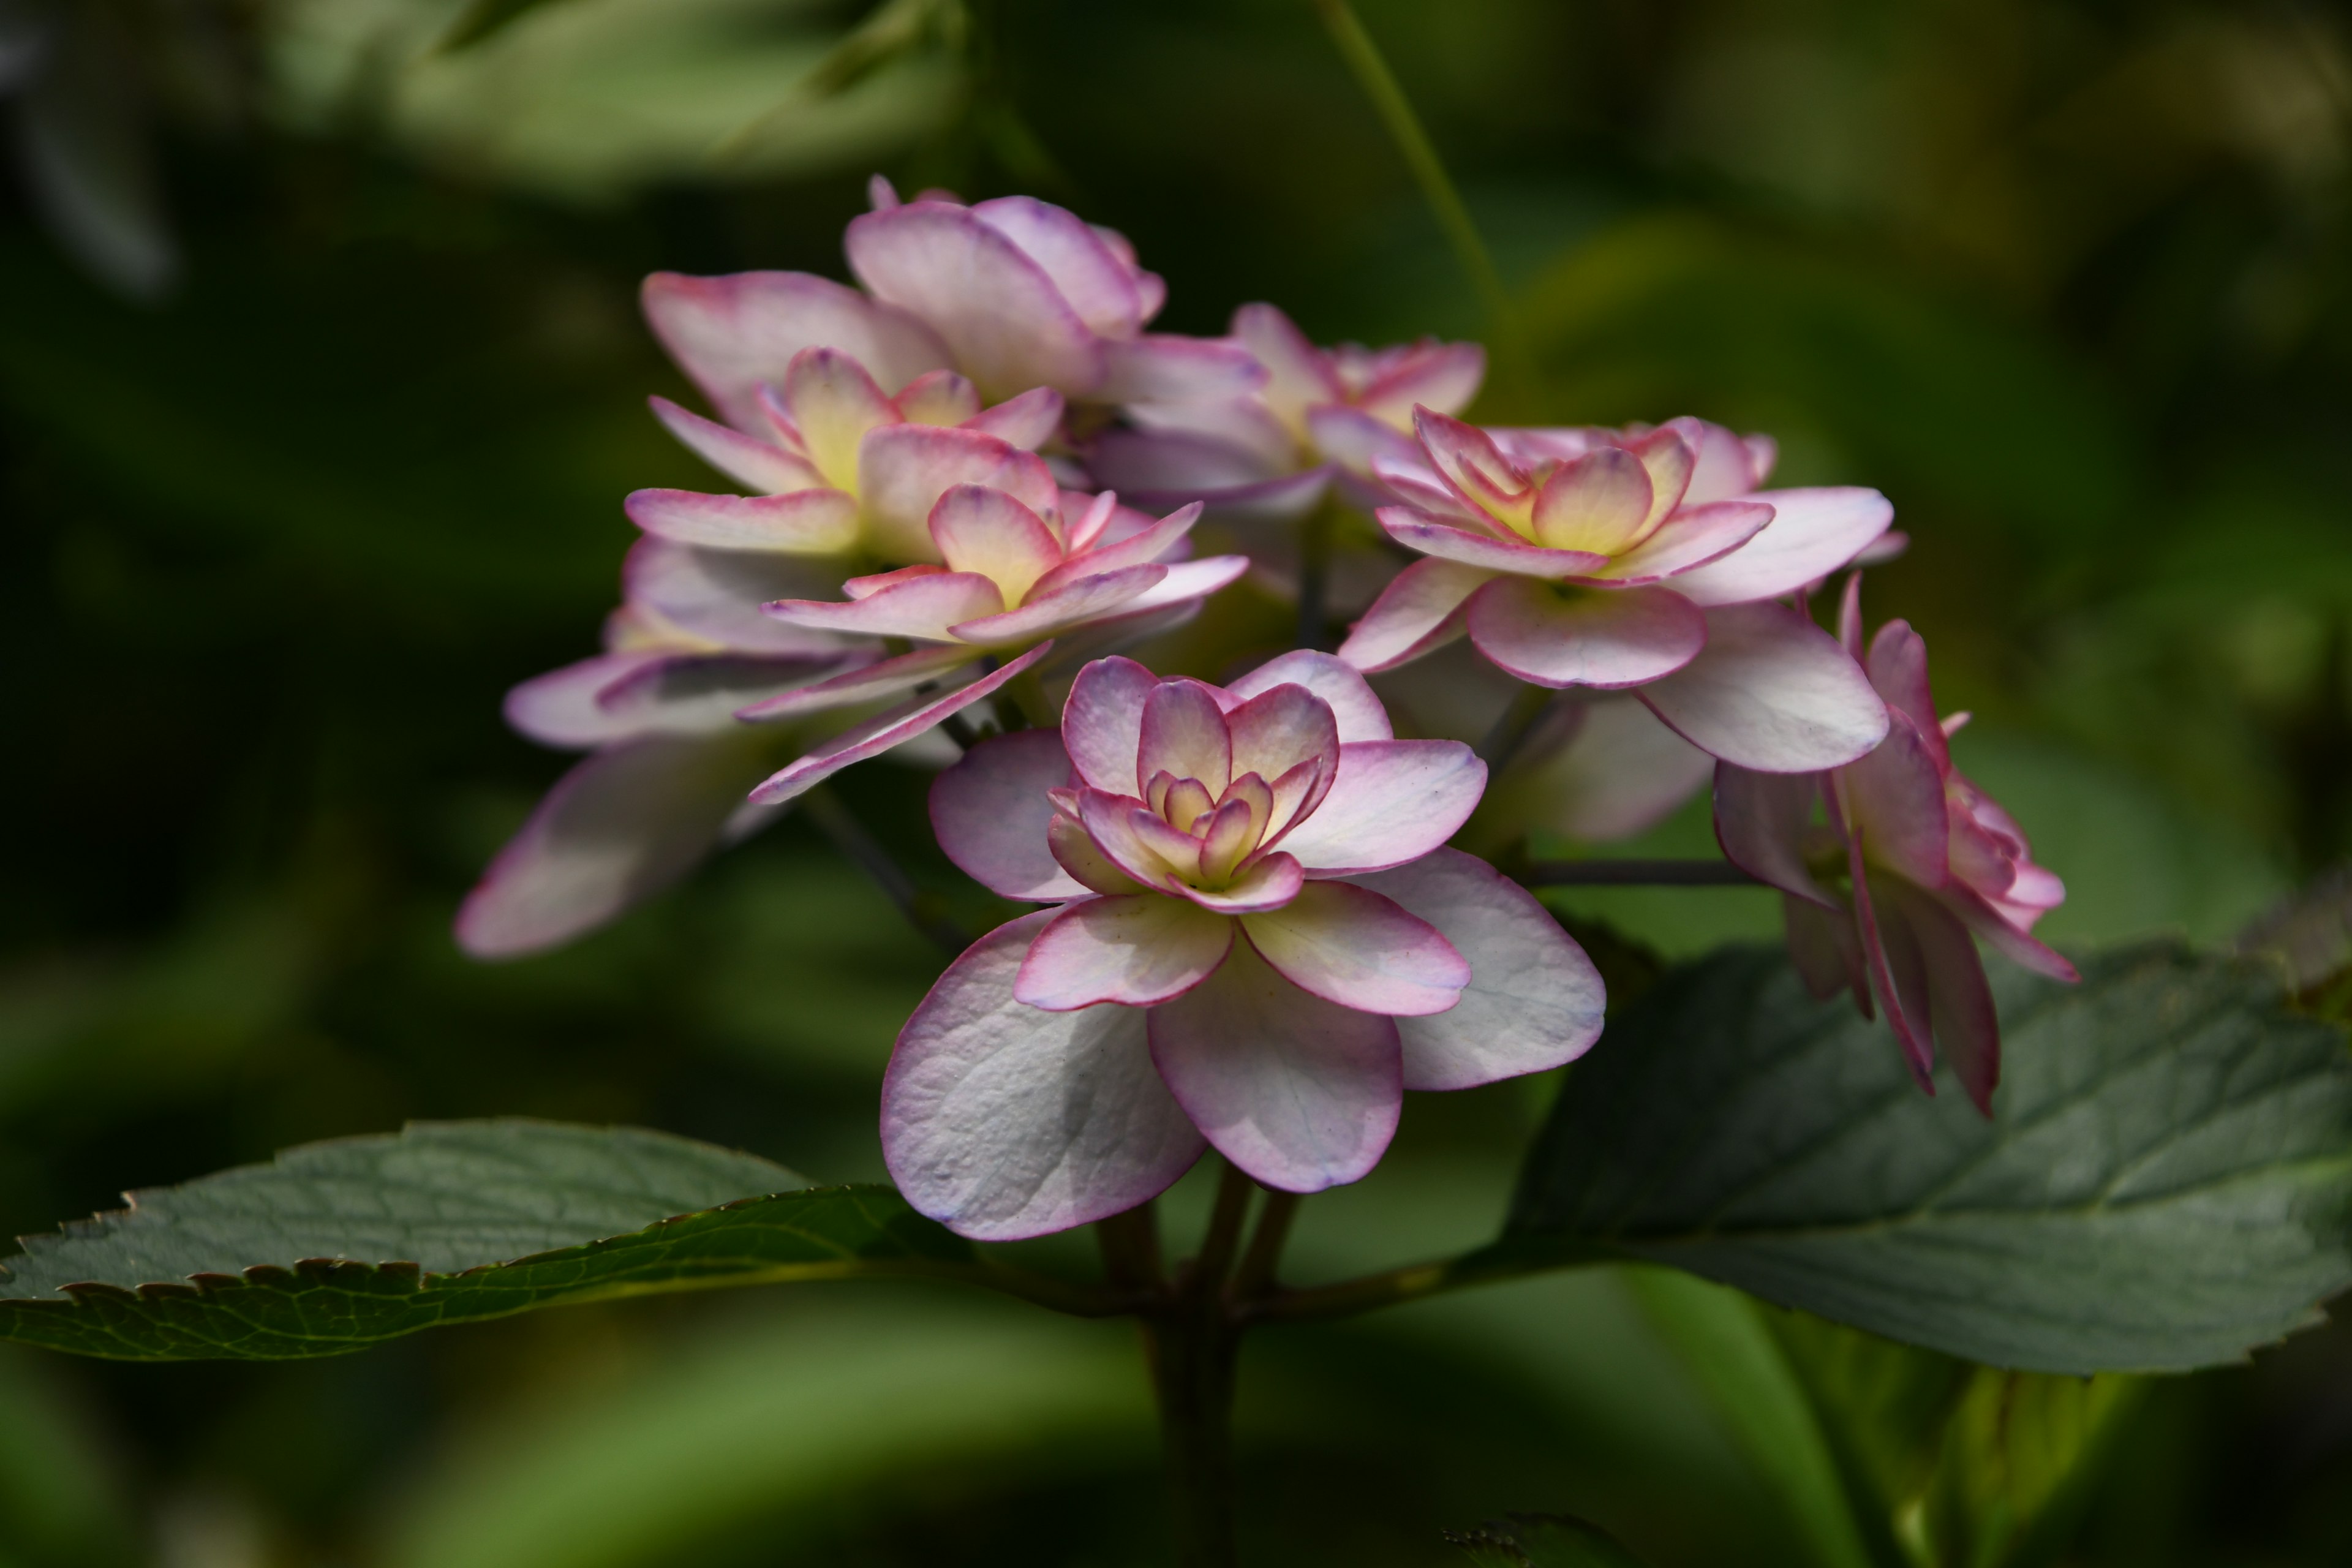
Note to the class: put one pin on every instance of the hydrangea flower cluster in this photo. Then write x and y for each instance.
(1256, 930)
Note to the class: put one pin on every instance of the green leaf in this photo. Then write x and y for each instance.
(2167, 1182)
(481, 19)
(1543, 1541)
(336, 1246)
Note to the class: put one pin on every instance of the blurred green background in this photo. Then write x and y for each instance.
(320, 382)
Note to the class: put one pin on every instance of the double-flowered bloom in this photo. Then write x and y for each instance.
(1261, 943)
(1646, 562)
(1887, 866)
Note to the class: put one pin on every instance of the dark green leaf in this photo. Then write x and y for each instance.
(336, 1246)
(1543, 1541)
(2167, 1182)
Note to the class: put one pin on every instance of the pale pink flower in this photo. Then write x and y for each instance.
(1646, 563)
(1905, 859)
(1261, 943)
(1007, 578)
(1024, 294)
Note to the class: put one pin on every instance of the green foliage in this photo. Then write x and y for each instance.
(1542, 1540)
(339, 1245)
(1731, 1126)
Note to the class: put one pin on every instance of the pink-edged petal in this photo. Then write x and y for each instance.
(1772, 691)
(1300, 1093)
(942, 397)
(1135, 549)
(878, 734)
(1349, 945)
(1182, 586)
(1137, 843)
(1184, 734)
(1002, 1122)
(1826, 949)
(1280, 728)
(1468, 459)
(1007, 325)
(1073, 605)
(730, 333)
(1102, 722)
(1534, 1000)
(1761, 821)
(1135, 950)
(1412, 483)
(716, 594)
(867, 586)
(1087, 273)
(1160, 367)
(1729, 465)
(871, 682)
(1441, 377)
(831, 403)
(1392, 802)
(1419, 531)
(1898, 667)
(620, 826)
(1812, 534)
(993, 817)
(801, 523)
(1356, 439)
(1893, 802)
(1689, 538)
(760, 465)
(1076, 853)
(700, 694)
(1958, 1003)
(1598, 503)
(1297, 373)
(904, 469)
(1357, 713)
(2004, 937)
(1270, 884)
(1618, 772)
(1419, 613)
(1579, 637)
(1026, 421)
(921, 608)
(1897, 976)
(978, 529)
(559, 708)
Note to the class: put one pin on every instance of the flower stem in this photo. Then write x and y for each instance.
(1191, 1343)
(1315, 532)
(1513, 726)
(836, 821)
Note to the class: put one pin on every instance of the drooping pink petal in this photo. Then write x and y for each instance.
(1279, 729)
(1826, 949)
(1534, 1000)
(801, 523)
(730, 333)
(904, 469)
(1301, 1094)
(1812, 534)
(1026, 421)
(1959, 1002)
(620, 826)
(1270, 884)
(1898, 975)
(1183, 734)
(1760, 821)
(2004, 938)
(1102, 723)
(985, 531)
(1002, 1122)
(1418, 532)
(922, 607)
(1355, 711)
(1073, 605)
(1417, 613)
(1392, 801)
(1770, 691)
(1576, 637)
(1135, 950)
(1690, 537)
(1086, 272)
(1160, 367)
(1349, 945)
(1893, 800)
(716, 594)
(884, 731)
(868, 682)
(1441, 377)
(993, 817)
(1599, 503)
(1898, 667)
(760, 465)
(999, 312)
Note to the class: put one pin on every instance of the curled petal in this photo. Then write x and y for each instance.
(1184, 734)
(1131, 838)
(1280, 728)
(1102, 723)
(760, 465)
(904, 469)
(1390, 801)
(1356, 712)
(1899, 977)
(2004, 937)
(986, 531)
(1072, 605)
(1137, 549)
(1002, 1122)
(1812, 533)
(1534, 1000)
(1469, 462)
(1349, 945)
(924, 607)
(831, 403)
(993, 817)
(1689, 538)
(1136, 949)
(1772, 691)
(1598, 503)
(1184, 584)
(1300, 1093)
(1026, 421)
(1419, 612)
(1270, 884)
(1937, 960)
(1610, 640)
(869, 682)
(801, 523)
(1898, 667)
(878, 734)
(730, 333)
(1087, 272)
(1076, 853)
(1417, 530)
